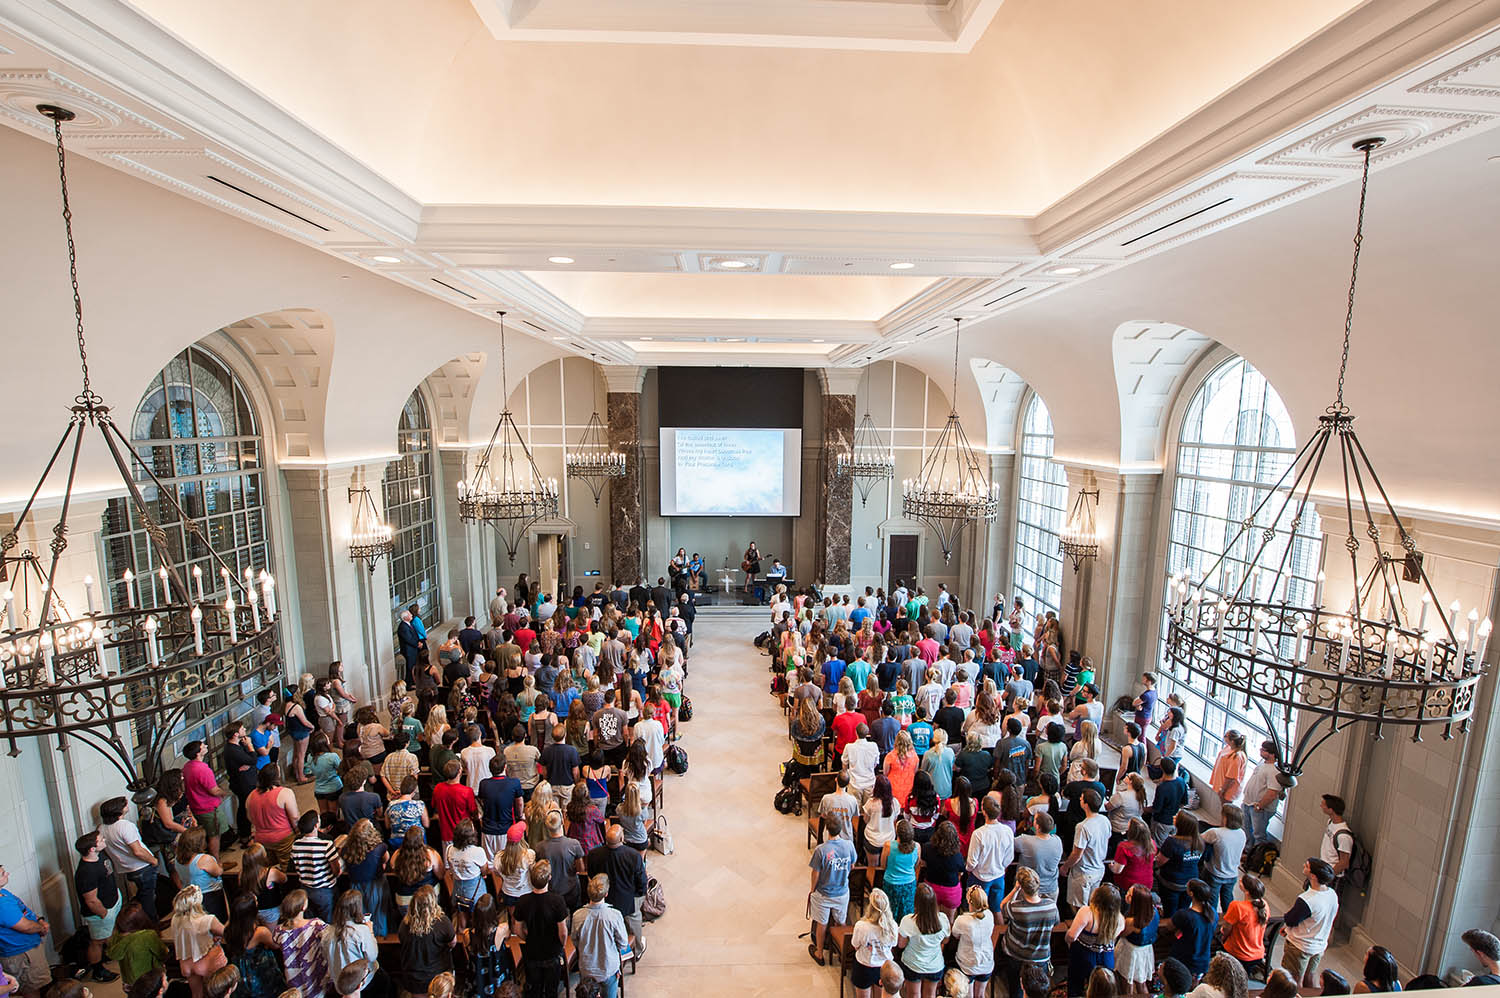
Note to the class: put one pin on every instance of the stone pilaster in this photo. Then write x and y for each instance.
(626, 506)
(836, 492)
(471, 569)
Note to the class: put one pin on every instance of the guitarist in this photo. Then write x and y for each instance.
(751, 565)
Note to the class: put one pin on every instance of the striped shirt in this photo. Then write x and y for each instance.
(312, 861)
(1028, 928)
(397, 767)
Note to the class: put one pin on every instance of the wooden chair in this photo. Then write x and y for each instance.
(815, 787)
(814, 829)
(840, 940)
(568, 958)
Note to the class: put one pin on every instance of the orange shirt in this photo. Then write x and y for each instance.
(1244, 932)
(901, 774)
(1229, 766)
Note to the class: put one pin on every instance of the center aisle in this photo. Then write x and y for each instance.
(736, 887)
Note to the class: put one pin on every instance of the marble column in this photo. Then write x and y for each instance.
(626, 505)
(836, 492)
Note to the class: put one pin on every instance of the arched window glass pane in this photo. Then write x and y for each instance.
(410, 510)
(1236, 442)
(196, 432)
(1041, 505)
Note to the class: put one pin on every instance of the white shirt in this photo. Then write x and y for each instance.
(860, 759)
(976, 953)
(476, 760)
(1091, 838)
(1311, 934)
(1262, 778)
(650, 731)
(991, 849)
(1329, 851)
(117, 839)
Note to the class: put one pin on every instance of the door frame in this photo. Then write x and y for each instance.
(900, 526)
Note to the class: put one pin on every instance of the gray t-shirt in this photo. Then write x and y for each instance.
(1043, 856)
(562, 852)
(833, 860)
(1223, 862)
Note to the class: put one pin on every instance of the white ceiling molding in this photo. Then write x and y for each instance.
(942, 26)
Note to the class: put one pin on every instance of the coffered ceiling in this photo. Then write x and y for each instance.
(727, 196)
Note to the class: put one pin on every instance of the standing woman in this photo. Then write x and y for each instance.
(923, 808)
(975, 932)
(900, 765)
(1092, 936)
(1134, 857)
(349, 939)
(273, 814)
(873, 939)
(943, 868)
(262, 882)
(193, 866)
(298, 727)
(195, 936)
(371, 736)
(1177, 864)
(1170, 734)
(426, 943)
(467, 868)
(343, 700)
(806, 731)
(252, 950)
(898, 861)
(1135, 960)
(1133, 752)
(1378, 976)
(514, 865)
(937, 763)
(922, 934)
(301, 942)
(870, 699)
(1242, 927)
(1127, 803)
(325, 712)
(484, 943)
(363, 859)
(961, 810)
(751, 565)
(414, 866)
(881, 814)
(324, 766)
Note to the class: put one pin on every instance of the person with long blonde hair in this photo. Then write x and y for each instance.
(1086, 747)
(1092, 937)
(437, 723)
(873, 939)
(543, 802)
(425, 943)
(513, 865)
(975, 932)
(806, 730)
(195, 935)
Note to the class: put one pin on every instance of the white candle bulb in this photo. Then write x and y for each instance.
(1318, 589)
(153, 654)
(197, 616)
(46, 643)
(166, 588)
(1223, 617)
(99, 651)
(1422, 619)
(1344, 648)
(1484, 642)
(255, 609)
(229, 612)
(130, 596)
(198, 582)
(1473, 630)
(1426, 654)
(1453, 610)
(10, 610)
(1300, 655)
(1389, 666)
(88, 593)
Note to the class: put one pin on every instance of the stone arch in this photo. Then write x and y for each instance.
(1000, 392)
(1152, 360)
(450, 390)
(291, 350)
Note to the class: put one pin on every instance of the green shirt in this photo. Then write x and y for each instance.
(439, 759)
(413, 728)
(137, 953)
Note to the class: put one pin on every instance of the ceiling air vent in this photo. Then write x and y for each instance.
(268, 204)
(457, 291)
(1004, 296)
(534, 325)
(1184, 218)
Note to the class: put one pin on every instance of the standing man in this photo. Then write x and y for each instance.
(1338, 838)
(122, 841)
(242, 764)
(626, 869)
(1309, 923)
(829, 900)
(992, 849)
(99, 900)
(21, 933)
(1085, 864)
(410, 644)
(608, 725)
(498, 607)
(541, 920)
(688, 611)
(860, 757)
(565, 859)
(200, 787)
(1262, 793)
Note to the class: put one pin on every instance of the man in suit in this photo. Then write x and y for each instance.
(627, 880)
(662, 596)
(639, 594)
(410, 642)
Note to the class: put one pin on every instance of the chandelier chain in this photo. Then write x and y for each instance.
(87, 394)
(1359, 238)
(504, 382)
(957, 325)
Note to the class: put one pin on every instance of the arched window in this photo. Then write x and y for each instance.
(1041, 506)
(196, 431)
(410, 510)
(1236, 441)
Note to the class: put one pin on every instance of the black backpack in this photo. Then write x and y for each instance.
(677, 760)
(1262, 858)
(685, 712)
(789, 800)
(1361, 863)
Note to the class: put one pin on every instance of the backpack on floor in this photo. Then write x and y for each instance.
(789, 800)
(677, 760)
(778, 683)
(654, 904)
(685, 712)
(1262, 858)
(661, 835)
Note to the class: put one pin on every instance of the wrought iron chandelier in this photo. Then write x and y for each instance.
(120, 681)
(507, 491)
(1079, 539)
(867, 461)
(592, 460)
(1331, 667)
(371, 537)
(952, 490)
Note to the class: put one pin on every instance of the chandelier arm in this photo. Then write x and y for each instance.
(1352, 543)
(1224, 554)
(1276, 731)
(74, 425)
(60, 530)
(1406, 541)
(957, 328)
(1373, 532)
(1309, 472)
(1359, 238)
(1288, 497)
(170, 494)
(112, 749)
(67, 214)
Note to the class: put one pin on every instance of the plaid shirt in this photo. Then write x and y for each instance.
(397, 767)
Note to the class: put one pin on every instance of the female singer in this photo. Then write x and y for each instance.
(751, 565)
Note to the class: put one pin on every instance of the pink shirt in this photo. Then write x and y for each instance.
(929, 650)
(198, 784)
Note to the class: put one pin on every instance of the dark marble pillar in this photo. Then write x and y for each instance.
(625, 494)
(836, 493)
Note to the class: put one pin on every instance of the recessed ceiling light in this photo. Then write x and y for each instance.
(732, 339)
(818, 341)
(1065, 271)
(648, 337)
(559, 259)
(904, 265)
(383, 258)
(559, 337)
(903, 343)
(733, 264)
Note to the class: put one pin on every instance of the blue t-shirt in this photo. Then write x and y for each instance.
(921, 735)
(833, 671)
(857, 617)
(261, 740)
(1181, 863)
(858, 672)
(1147, 709)
(14, 942)
(1195, 936)
(500, 804)
(884, 732)
(833, 860)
